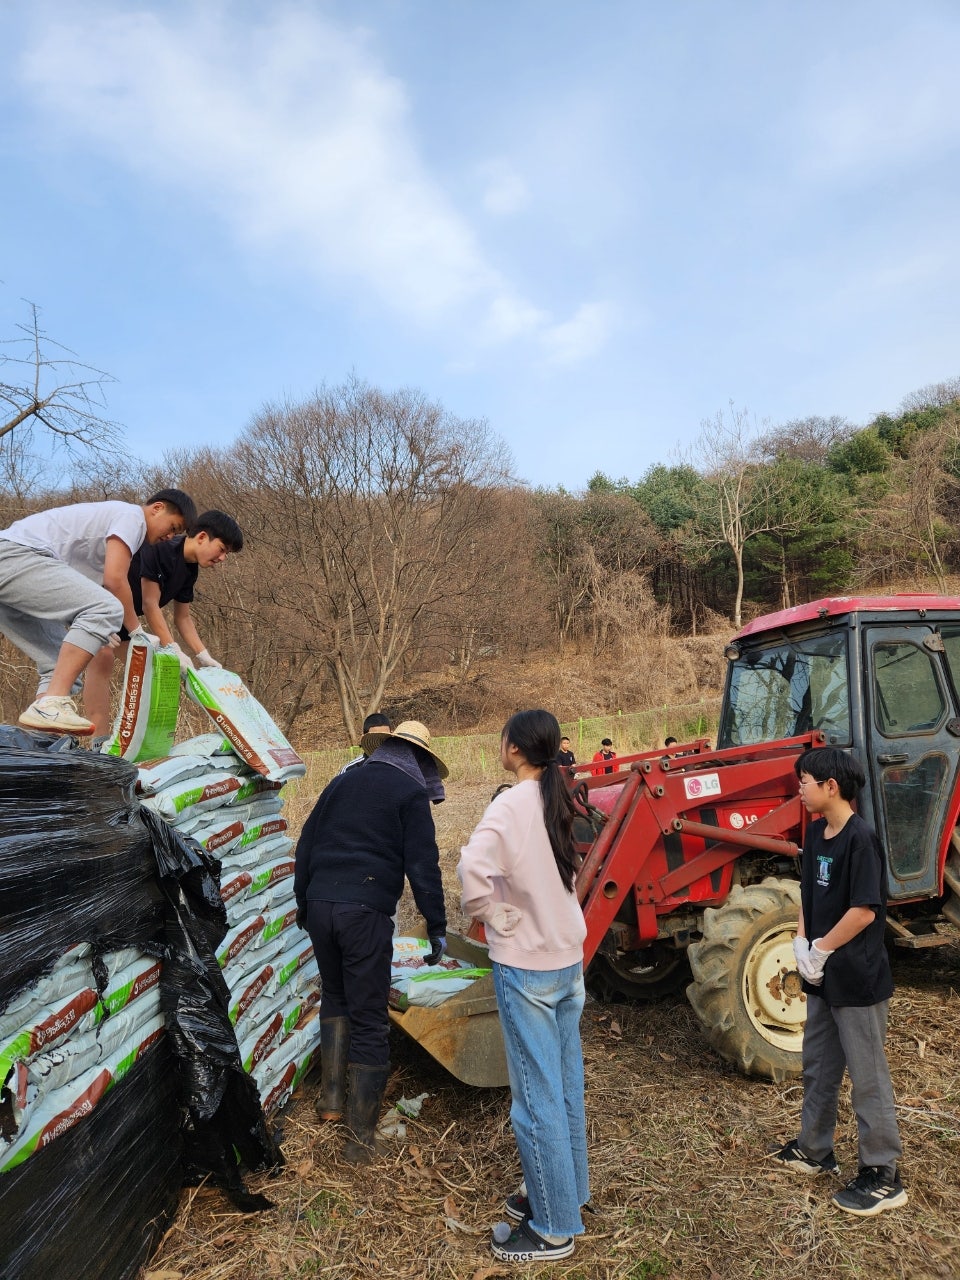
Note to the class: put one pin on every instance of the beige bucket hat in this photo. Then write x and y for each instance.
(410, 731)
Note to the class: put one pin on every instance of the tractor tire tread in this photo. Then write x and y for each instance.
(714, 993)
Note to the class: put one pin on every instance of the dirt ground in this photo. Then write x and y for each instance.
(678, 1142)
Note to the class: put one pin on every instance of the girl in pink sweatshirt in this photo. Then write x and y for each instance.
(518, 873)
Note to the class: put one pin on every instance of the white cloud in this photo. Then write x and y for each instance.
(577, 339)
(504, 190)
(892, 103)
(294, 135)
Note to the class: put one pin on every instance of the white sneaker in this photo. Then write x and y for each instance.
(51, 714)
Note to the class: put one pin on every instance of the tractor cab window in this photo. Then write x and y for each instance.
(786, 689)
(908, 694)
(951, 649)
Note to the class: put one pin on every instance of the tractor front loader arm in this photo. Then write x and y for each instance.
(671, 830)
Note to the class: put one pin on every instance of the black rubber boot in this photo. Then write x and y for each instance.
(334, 1047)
(365, 1089)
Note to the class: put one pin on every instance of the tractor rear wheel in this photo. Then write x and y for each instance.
(644, 975)
(746, 989)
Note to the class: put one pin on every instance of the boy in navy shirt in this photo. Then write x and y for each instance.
(159, 574)
(846, 976)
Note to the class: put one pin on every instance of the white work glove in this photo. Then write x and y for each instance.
(203, 659)
(503, 918)
(185, 663)
(138, 633)
(801, 949)
(818, 958)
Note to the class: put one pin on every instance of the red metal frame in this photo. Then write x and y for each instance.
(710, 805)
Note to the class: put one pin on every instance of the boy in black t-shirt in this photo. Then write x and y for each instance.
(846, 977)
(159, 574)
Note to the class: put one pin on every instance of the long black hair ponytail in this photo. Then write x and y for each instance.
(536, 735)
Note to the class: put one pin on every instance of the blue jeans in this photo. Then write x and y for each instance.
(540, 1014)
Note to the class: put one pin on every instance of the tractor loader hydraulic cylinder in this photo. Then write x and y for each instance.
(769, 844)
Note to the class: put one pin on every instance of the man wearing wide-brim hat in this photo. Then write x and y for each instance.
(370, 829)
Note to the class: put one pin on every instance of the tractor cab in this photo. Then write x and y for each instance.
(879, 675)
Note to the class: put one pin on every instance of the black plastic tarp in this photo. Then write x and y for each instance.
(76, 862)
(81, 861)
(224, 1119)
(94, 1202)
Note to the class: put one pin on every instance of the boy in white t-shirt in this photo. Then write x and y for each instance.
(64, 592)
(159, 575)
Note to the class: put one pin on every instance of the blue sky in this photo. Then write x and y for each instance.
(593, 224)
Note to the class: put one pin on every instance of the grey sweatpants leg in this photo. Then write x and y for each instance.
(851, 1038)
(44, 602)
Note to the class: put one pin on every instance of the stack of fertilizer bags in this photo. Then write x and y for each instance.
(224, 790)
(91, 1161)
(120, 1073)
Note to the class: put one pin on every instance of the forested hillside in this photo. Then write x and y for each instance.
(393, 559)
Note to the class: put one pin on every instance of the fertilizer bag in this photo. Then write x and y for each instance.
(241, 719)
(149, 700)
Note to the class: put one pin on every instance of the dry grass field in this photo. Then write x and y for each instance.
(678, 1141)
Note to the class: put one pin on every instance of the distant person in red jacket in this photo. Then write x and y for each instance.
(606, 752)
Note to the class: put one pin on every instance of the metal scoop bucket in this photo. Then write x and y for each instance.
(463, 1034)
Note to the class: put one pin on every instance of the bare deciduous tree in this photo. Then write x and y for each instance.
(912, 524)
(740, 494)
(936, 395)
(507, 611)
(363, 507)
(805, 439)
(43, 382)
(585, 543)
(561, 547)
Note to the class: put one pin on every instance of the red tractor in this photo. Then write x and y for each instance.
(697, 858)
(690, 853)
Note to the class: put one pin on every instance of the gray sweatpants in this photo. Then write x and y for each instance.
(851, 1038)
(44, 602)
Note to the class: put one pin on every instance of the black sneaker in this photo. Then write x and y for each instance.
(870, 1192)
(522, 1244)
(791, 1157)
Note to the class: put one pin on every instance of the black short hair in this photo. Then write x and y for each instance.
(605, 742)
(217, 524)
(177, 501)
(376, 720)
(669, 742)
(823, 763)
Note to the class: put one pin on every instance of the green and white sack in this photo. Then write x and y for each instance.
(149, 702)
(255, 737)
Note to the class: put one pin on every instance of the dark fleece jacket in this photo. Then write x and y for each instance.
(370, 828)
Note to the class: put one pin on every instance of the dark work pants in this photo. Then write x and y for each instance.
(354, 947)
